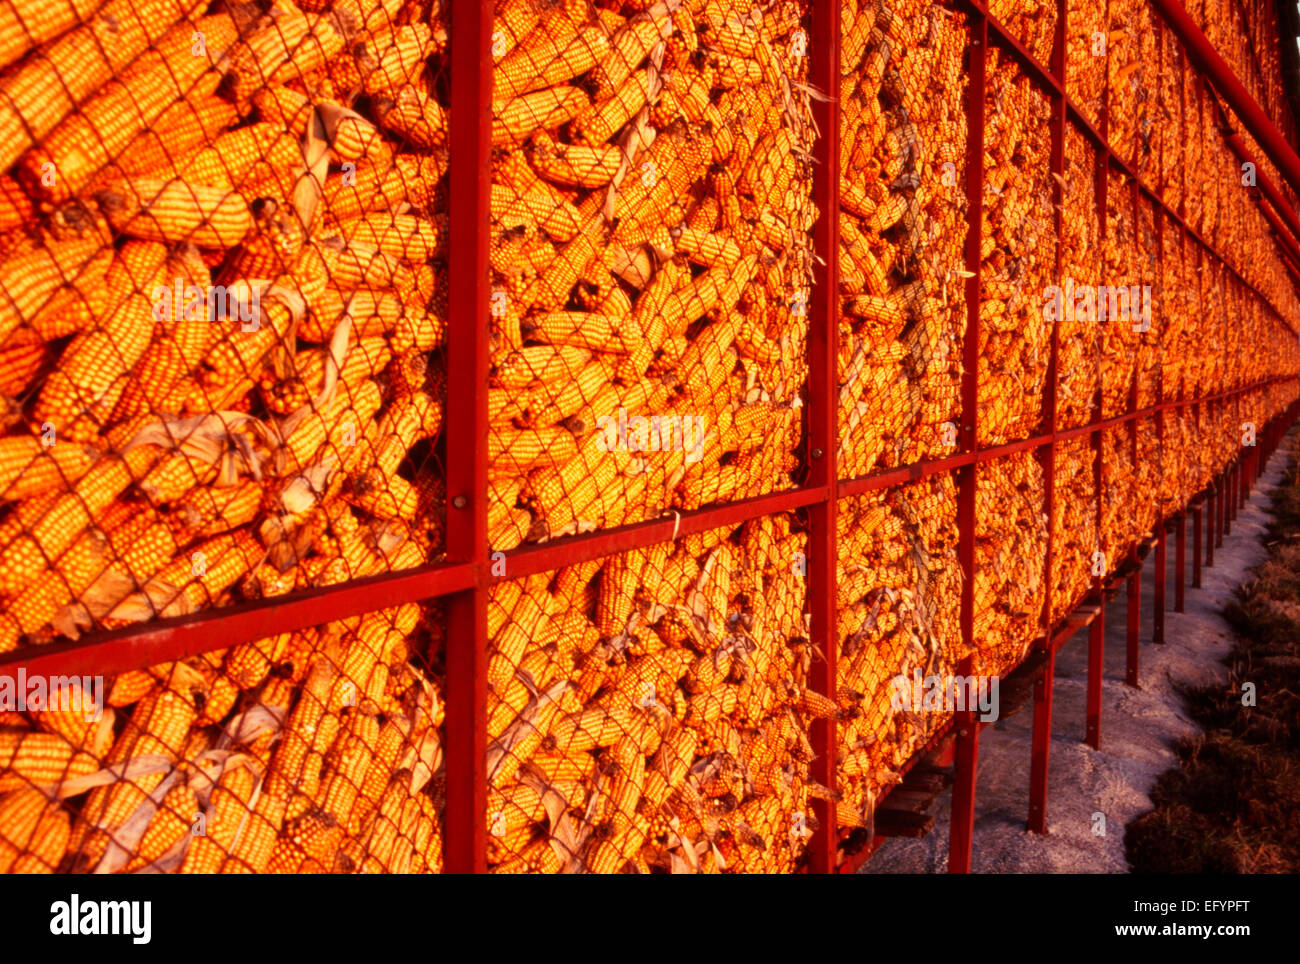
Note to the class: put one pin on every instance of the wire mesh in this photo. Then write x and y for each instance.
(226, 383)
(1124, 69)
(651, 262)
(902, 226)
(310, 752)
(1074, 525)
(1172, 66)
(1144, 80)
(650, 257)
(1017, 256)
(1032, 22)
(651, 709)
(1087, 40)
(1077, 338)
(898, 600)
(1010, 555)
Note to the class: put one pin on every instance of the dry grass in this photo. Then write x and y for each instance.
(1233, 803)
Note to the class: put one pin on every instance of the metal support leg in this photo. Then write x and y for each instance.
(1162, 566)
(1220, 501)
(963, 795)
(1096, 644)
(1134, 614)
(1211, 514)
(1230, 500)
(1197, 515)
(1180, 562)
(1042, 745)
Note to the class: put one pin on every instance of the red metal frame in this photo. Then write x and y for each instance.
(1134, 613)
(465, 738)
(464, 579)
(823, 419)
(1041, 746)
(963, 795)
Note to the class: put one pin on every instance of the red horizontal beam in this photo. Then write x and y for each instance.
(1266, 186)
(576, 549)
(136, 647)
(1209, 62)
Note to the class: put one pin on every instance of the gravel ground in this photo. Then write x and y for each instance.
(1138, 728)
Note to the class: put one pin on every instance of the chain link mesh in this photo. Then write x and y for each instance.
(223, 369)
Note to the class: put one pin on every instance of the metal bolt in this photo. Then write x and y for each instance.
(968, 428)
(460, 502)
(817, 453)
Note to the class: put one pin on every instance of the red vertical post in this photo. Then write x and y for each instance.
(1041, 746)
(468, 294)
(1211, 513)
(1134, 614)
(1220, 500)
(1197, 514)
(1097, 630)
(1180, 563)
(1162, 565)
(1096, 652)
(967, 749)
(1227, 498)
(1158, 603)
(823, 351)
(963, 788)
(1230, 497)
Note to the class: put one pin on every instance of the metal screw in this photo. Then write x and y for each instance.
(817, 453)
(460, 502)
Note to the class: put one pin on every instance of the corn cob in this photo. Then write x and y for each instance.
(401, 236)
(400, 58)
(251, 853)
(554, 53)
(28, 467)
(55, 289)
(234, 156)
(85, 143)
(575, 165)
(40, 759)
(33, 833)
(176, 211)
(417, 117)
(48, 86)
(44, 535)
(171, 822)
(287, 49)
(514, 121)
(228, 813)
